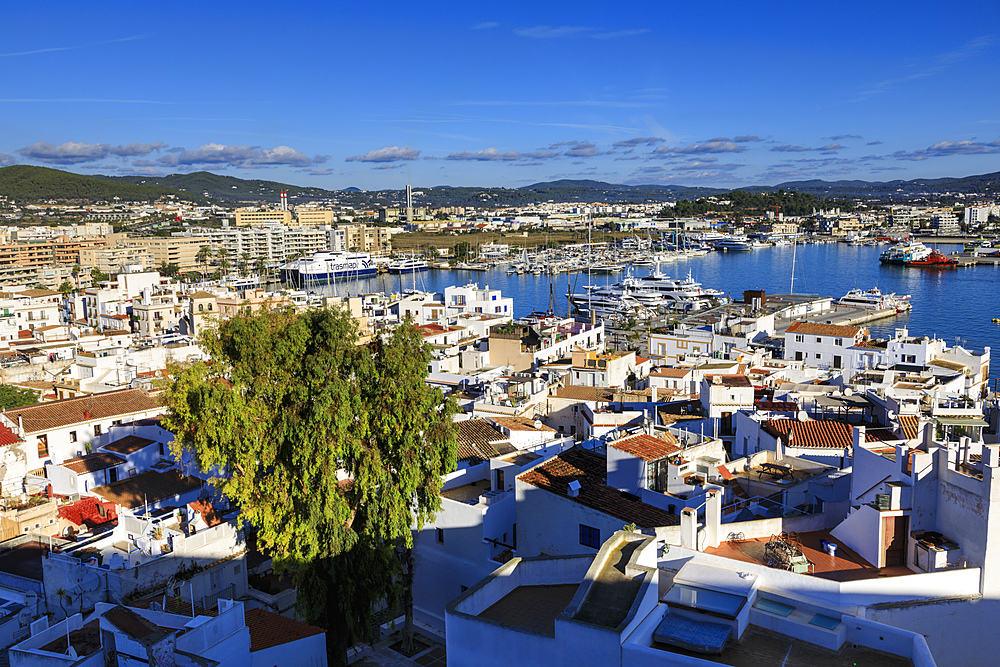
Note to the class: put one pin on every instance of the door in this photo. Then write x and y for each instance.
(112, 475)
(894, 539)
(836, 361)
(798, 356)
(500, 486)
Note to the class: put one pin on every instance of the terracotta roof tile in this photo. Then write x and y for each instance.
(590, 470)
(208, 513)
(148, 487)
(56, 414)
(647, 447)
(579, 393)
(268, 629)
(92, 462)
(812, 433)
(671, 372)
(478, 440)
(7, 437)
(520, 424)
(909, 424)
(815, 329)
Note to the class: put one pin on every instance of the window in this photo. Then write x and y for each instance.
(819, 356)
(656, 475)
(236, 569)
(72, 436)
(838, 341)
(440, 535)
(590, 537)
(799, 339)
(97, 429)
(43, 446)
(818, 339)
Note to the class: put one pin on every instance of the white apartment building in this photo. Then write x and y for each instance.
(473, 299)
(822, 345)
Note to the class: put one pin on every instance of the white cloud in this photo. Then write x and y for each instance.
(387, 154)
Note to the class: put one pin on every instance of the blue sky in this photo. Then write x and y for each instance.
(378, 94)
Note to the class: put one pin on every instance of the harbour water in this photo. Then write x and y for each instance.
(956, 305)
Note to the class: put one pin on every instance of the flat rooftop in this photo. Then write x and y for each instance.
(760, 647)
(24, 560)
(85, 641)
(613, 592)
(532, 608)
(845, 566)
(467, 492)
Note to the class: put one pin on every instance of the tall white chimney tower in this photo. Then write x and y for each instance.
(409, 204)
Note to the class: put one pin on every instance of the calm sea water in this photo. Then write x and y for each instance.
(956, 305)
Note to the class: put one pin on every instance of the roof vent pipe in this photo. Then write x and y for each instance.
(574, 489)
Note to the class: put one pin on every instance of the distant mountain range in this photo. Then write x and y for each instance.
(28, 184)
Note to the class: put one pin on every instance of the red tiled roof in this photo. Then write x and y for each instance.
(812, 433)
(815, 329)
(590, 470)
(268, 629)
(519, 424)
(477, 439)
(7, 437)
(208, 513)
(88, 510)
(56, 414)
(647, 447)
(909, 424)
(580, 393)
(92, 462)
(672, 372)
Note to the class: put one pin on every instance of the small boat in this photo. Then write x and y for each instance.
(935, 260)
(875, 300)
(409, 265)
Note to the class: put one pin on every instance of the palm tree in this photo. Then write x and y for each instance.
(223, 255)
(260, 267)
(245, 264)
(204, 254)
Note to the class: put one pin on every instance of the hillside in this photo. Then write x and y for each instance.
(27, 184)
(226, 188)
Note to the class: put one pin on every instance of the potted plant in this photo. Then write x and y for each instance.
(157, 537)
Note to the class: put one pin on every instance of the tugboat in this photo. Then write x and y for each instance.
(935, 260)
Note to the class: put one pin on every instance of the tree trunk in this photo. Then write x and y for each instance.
(407, 602)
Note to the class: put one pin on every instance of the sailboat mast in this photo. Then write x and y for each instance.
(795, 245)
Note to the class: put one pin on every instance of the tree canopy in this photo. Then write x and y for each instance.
(333, 451)
(15, 397)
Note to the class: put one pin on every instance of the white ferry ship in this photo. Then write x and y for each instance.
(326, 266)
(875, 300)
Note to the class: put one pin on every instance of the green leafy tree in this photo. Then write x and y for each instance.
(289, 400)
(462, 250)
(15, 397)
(66, 287)
(97, 276)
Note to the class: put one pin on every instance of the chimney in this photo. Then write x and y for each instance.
(574, 489)
(20, 425)
(689, 528)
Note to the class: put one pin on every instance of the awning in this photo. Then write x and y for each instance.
(961, 421)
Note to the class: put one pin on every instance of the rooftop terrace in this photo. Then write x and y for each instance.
(845, 566)
(532, 608)
(760, 647)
